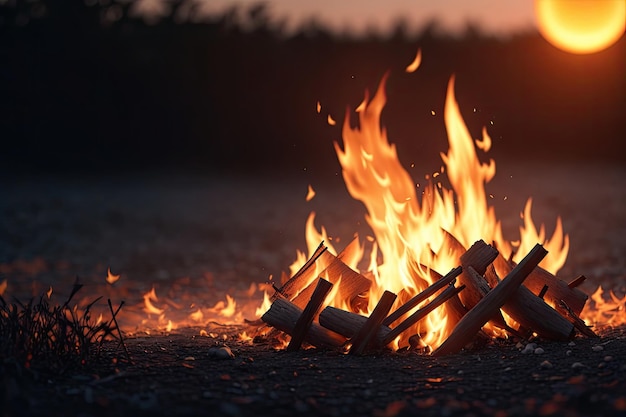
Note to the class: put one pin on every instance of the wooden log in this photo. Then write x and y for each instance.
(456, 309)
(347, 323)
(577, 321)
(534, 314)
(365, 334)
(479, 256)
(472, 322)
(577, 281)
(283, 315)
(450, 292)
(422, 296)
(557, 289)
(306, 318)
(351, 285)
(307, 274)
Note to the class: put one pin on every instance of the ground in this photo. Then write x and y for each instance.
(210, 236)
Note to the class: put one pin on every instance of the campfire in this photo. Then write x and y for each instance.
(405, 296)
(435, 275)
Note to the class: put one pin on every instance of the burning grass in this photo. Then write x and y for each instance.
(54, 337)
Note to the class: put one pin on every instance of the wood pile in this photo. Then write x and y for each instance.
(473, 293)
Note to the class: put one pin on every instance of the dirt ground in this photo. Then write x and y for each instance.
(218, 235)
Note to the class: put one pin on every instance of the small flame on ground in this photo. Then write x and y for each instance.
(3, 286)
(310, 193)
(413, 66)
(330, 120)
(318, 107)
(111, 278)
(150, 308)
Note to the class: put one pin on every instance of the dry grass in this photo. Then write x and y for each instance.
(40, 335)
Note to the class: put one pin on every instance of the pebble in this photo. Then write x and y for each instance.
(222, 352)
(577, 365)
(608, 358)
(597, 348)
(538, 351)
(545, 365)
(530, 348)
(568, 352)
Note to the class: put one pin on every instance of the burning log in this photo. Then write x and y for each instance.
(300, 287)
(450, 292)
(479, 256)
(284, 315)
(576, 321)
(372, 324)
(348, 324)
(557, 289)
(306, 318)
(532, 313)
(431, 290)
(472, 322)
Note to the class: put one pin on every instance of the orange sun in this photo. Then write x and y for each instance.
(581, 26)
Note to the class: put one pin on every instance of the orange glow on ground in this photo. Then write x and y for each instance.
(581, 26)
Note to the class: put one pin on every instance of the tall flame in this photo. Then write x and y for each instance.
(412, 232)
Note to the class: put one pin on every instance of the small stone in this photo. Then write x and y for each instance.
(519, 345)
(577, 365)
(571, 343)
(545, 365)
(538, 351)
(608, 358)
(568, 352)
(530, 348)
(222, 352)
(597, 348)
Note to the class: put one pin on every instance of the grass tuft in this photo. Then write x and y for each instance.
(39, 335)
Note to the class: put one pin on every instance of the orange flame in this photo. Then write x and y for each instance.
(111, 278)
(413, 66)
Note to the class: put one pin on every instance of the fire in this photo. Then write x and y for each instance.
(609, 310)
(111, 279)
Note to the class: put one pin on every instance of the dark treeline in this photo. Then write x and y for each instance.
(90, 88)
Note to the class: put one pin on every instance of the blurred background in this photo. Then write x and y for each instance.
(107, 86)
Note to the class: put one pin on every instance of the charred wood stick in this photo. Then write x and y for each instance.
(533, 314)
(306, 318)
(479, 256)
(347, 323)
(557, 288)
(577, 281)
(482, 286)
(283, 315)
(579, 323)
(351, 285)
(472, 322)
(363, 337)
(422, 296)
(455, 307)
(450, 292)
(320, 259)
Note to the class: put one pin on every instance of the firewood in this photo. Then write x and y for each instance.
(472, 322)
(478, 256)
(347, 323)
(577, 321)
(373, 323)
(306, 318)
(429, 291)
(450, 292)
(534, 314)
(284, 315)
(456, 309)
(320, 259)
(351, 285)
(557, 288)
(577, 281)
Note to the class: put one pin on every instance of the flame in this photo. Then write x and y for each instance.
(310, 193)
(330, 120)
(148, 298)
(413, 66)
(111, 278)
(605, 310)
(318, 107)
(3, 286)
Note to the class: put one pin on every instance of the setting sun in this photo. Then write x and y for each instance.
(581, 26)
